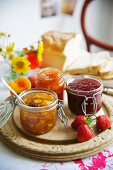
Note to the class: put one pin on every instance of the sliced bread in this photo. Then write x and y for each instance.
(98, 61)
(107, 70)
(99, 64)
(81, 65)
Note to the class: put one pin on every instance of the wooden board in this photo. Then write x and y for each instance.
(60, 143)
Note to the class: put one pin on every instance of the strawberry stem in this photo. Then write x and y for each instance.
(88, 121)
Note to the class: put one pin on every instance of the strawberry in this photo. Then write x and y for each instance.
(103, 122)
(84, 133)
(80, 119)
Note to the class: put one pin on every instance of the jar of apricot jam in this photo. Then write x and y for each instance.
(38, 112)
(84, 95)
(52, 79)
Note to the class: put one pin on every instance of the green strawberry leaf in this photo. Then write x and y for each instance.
(109, 128)
(88, 121)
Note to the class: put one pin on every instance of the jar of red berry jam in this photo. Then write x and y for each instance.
(84, 95)
(52, 79)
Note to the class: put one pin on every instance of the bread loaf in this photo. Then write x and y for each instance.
(60, 49)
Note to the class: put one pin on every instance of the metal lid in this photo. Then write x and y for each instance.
(6, 109)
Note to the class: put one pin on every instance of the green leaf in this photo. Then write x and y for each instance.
(109, 128)
(88, 121)
(20, 53)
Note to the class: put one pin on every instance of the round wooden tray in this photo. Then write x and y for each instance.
(60, 143)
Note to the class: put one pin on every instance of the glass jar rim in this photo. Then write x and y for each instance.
(44, 108)
(50, 68)
(83, 77)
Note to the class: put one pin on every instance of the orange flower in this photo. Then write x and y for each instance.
(33, 59)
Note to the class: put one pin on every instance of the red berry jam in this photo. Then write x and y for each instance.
(85, 84)
(88, 89)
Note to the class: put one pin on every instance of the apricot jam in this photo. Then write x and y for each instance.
(52, 79)
(84, 95)
(38, 113)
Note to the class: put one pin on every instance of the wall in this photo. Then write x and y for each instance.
(22, 19)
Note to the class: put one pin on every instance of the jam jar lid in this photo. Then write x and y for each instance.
(38, 108)
(6, 109)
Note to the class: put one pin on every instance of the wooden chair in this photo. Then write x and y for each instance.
(89, 39)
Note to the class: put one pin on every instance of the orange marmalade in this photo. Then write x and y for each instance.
(38, 113)
(52, 79)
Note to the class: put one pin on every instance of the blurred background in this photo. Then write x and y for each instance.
(27, 20)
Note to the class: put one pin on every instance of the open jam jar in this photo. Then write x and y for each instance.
(52, 79)
(84, 95)
(38, 112)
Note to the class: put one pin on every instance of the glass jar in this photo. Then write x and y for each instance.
(84, 95)
(52, 79)
(38, 112)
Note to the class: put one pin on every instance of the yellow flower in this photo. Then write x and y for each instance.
(2, 34)
(1, 49)
(10, 48)
(40, 51)
(20, 65)
(11, 56)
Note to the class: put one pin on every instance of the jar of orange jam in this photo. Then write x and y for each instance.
(38, 112)
(52, 79)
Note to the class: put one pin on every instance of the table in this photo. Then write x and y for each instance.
(10, 160)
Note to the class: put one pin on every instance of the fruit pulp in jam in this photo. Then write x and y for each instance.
(40, 120)
(52, 79)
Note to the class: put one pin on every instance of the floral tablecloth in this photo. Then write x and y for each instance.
(103, 160)
(12, 161)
